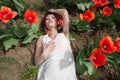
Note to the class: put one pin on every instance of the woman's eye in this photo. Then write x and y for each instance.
(53, 17)
(47, 19)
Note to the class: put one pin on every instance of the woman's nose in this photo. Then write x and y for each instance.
(50, 20)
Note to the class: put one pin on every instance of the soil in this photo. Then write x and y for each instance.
(15, 61)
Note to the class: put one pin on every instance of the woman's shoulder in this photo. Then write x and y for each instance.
(40, 38)
(43, 38)
(62, 34)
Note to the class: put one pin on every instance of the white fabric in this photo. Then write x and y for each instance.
(60, 64)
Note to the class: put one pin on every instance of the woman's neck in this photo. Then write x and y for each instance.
(53, 33)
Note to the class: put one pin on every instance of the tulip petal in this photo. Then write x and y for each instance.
(6, 14)
(117, 44)
(5, 21)
(96, 58)
(31, 16)
(14, 14)
(87, 16)
(106, 45)
(117, 3)
(7, 9)
(100, 3)
(107, 11)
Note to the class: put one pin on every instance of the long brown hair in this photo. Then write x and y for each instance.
(43, 25)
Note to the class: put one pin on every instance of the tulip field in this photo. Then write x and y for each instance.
(94, 37)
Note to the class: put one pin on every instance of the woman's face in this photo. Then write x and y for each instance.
(51, 21)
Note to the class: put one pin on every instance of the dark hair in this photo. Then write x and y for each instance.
(43, 25)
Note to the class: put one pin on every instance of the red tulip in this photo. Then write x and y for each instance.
(96, 58)
(106, 45)
(107, 11)
(100, 3)
(87, 16)
(60, 22)
(6, 14)
(117, 3)
(31, 16)
(117, 44)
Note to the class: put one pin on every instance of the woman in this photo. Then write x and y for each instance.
(53, 53)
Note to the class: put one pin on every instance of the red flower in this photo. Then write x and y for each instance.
(87, 16)
(96, 58)
(117, 3)
(60, 22)
(100, 3)
(117, 44)
(6, 14)
(107, 11)
(106, 45)
(31, 16)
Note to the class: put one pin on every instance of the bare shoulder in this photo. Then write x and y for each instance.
(40, 37)
(39, 40)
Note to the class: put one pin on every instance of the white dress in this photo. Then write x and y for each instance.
(60, 63)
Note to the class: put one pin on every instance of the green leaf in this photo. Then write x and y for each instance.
(106, 22)
(77, 65)
(90, 68)
(29, 73)
(35, 28)
(88, 5)
(113, 60)
(18, 4)
(84, 67)
(89, 48)
(21, 32)
(84, 5)
(81, 6)
(9, 43)
(80, 53)
(32, 33)
(81, 68)
(54, 1)
(77, 26)
(3, 36)
(29, 39)
(97, 41)
(111, 23)
(72, 36)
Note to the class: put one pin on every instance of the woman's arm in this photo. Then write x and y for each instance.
(39, 57)
(41, 53)
(64, 14)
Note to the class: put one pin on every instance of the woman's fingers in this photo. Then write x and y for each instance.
(50, 45)
(46, 45)
(53, 45)
(49, 48)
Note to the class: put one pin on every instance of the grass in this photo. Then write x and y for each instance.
(7, 59)
(29, 74)
(3, 68)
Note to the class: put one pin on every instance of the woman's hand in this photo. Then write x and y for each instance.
(48, 49)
